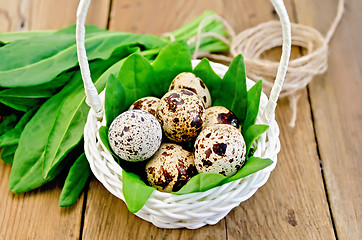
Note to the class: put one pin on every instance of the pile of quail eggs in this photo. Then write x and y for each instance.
(157, 130)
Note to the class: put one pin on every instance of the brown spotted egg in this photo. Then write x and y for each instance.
(219, 114)
(148, 104)
(180, 113)
(170, 168)
(135, 135)
(220, 148)
(190, 81)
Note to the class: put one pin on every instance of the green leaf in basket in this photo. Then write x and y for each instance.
(205, 181)
(135, 76)
(252, 133)
(103, 134)
(253, 101)
(173, 59)
(233, 89)
(136, 192)
(75, 181)
(253, 165)
(114, 99)
(230, 91)
(213, 82)
(202, 182)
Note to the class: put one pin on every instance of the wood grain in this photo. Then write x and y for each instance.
(337, 109)
(292, 204)
(157, 16)
(107, 217)
(22, 15)
(36, 214)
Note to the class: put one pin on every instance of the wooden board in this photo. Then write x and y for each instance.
(36, 215)
(293, 202)
(337, 111)
(22, 15)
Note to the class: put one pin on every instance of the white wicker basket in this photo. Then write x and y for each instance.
(194, 210)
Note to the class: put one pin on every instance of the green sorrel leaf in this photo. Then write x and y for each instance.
(253, 165)
(12, 136)
(41, 138)
(233, 89)
(8, 152)
(114, 99)
(202, 182)
(75, 181)
(252, 133)
(136, 78)
(213, 82)
(173, 59)
(205, 181)
(135, 191)
(253, 100)
(39, 60)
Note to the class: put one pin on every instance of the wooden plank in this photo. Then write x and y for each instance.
(107, 217)
(19, 15)
(36, 214)
(157, 16)
(9, 16)
(293, 202)
(337, 108)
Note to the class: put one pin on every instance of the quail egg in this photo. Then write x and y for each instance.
(135, 135)
(190, 81)
(170, 168)
(180, 113)
(220, 148)
(148, 104)
(219, 114)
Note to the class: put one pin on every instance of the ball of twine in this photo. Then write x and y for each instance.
(253, 42)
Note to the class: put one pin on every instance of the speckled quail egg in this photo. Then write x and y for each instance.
(190, 81)
(148, 104)
(220, 148)
(219, 114)
(170, 168)
(135, 135)
(180, 113)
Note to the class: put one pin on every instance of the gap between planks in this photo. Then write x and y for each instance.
(296, 19)
(321, 164)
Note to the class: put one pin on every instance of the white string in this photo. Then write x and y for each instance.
(254, 41)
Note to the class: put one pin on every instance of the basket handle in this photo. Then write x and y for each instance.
(95, 103)
(93, 99)
(284, 60)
